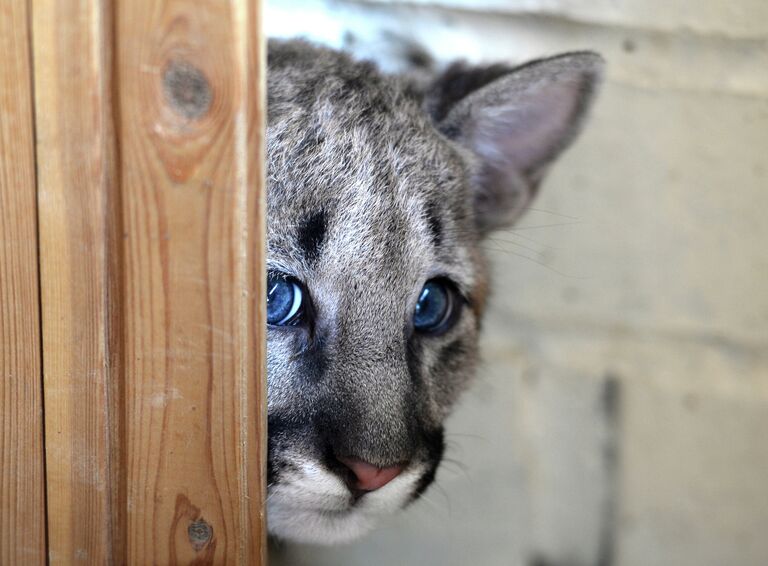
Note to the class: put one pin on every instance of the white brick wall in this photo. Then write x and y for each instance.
(645, 261)
(737, 19)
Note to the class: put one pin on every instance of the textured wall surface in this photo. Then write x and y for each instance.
(621, 417)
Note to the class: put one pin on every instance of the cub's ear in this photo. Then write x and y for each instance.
(516, 121)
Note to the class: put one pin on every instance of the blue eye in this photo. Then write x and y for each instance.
(285, 300)
(435, 307)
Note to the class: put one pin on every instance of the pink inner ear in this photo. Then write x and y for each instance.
(528, 131)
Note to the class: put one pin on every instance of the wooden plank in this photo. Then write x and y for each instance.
(190, 152)
(78, 215)
(153, 279)
(22, 488)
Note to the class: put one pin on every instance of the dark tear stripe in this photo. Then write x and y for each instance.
(312, 235)
(435, 443)
(281, 425)
(313, 359)
(412, 354)
(435, 226)
(279, 428)
(449, 353)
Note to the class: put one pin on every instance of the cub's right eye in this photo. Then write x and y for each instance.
(285, 300)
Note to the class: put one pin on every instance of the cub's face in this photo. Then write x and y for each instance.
(379, 194)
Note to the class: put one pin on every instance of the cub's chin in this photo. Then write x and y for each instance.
(311, 504)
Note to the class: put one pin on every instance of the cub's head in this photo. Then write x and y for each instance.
(380, 192)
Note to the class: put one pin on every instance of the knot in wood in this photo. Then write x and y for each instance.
(187, 90)
(199, 533)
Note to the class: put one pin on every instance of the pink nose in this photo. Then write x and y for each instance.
(369, 477)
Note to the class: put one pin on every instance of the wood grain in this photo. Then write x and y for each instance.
(79, 265)
(22, 511)
(150, 126)
(190, 151)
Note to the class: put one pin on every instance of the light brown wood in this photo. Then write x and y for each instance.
(22, 495)
(190, 153)
(79, 266)
(151, 203)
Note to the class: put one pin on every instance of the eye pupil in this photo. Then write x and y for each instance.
(434, 307)
(285, 300)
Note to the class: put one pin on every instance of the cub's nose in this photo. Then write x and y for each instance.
(368, 477)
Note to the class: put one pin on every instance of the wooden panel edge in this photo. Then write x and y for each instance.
(77, 195)
(22, 482)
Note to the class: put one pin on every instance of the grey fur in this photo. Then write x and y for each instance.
(375, 185)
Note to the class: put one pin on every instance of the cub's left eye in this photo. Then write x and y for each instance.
(285, 300)
(436, 308)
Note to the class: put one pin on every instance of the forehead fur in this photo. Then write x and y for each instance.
(357, 158)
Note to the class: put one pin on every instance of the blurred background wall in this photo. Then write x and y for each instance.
(621, 416)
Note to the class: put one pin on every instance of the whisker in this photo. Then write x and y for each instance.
(460, 470)
(518, 244)
(459, 464)
(445, 496)
(446, 465)
(467, 435)
(452, 445)
(269, 496)
(541, 263)
(529, 239)
(553, 213)
(431, 503)
(542, 226)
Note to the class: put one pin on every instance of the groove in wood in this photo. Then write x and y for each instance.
(22, 489)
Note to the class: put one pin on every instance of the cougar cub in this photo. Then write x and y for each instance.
(380, 192)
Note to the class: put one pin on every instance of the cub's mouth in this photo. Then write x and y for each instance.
(325, 499)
